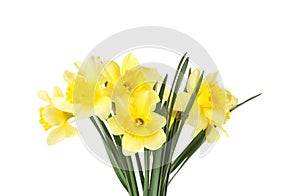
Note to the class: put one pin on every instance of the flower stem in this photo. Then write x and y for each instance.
(147, 165)
(138, 160)
(135, 191)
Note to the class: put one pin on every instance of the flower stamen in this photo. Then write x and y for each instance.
(139, 121)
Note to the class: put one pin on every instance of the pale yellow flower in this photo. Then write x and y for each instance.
(136, 121)
(52, 116)
(123, 80)
(97, 82)
(211, 108)
(86, 90)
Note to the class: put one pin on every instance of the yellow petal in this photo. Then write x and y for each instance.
(70, 130)
(56, 135)
(193, 79)
(217, 116)
(129, 62)
(211, 78)
(146, 129)
(121, 103)
(114, 126)
(62, 104)
(92, 70)
(199, 121)
(112, 71)
(231, 101)
(182, 101)
(60, 133)
(103, 107)
(43, 95)
(151, 75)
(212, 134)
(157, 122)
(82, 112)
(57, 92)
(42, 120)
(194, 116)
(155, 141)
(131, 144)
(69, 76)
(140, 103)
(53, 116)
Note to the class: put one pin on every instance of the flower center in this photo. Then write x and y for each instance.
(139, 121)
(128, 85)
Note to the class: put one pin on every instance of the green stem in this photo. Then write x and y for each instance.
(189, 150)
(183, 163)
(135, 191)
(111, 156)
(147, 165)
(138, 160)
(156, 172)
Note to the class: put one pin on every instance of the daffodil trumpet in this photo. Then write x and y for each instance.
(138, 117)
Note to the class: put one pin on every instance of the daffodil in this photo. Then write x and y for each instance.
(136, 121)
(87, 90)
(123, 80)
(211, 108)
(53, 116)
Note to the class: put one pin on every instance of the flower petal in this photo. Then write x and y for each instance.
(112, 71)
(182, 101)
(62, 104)
(129, 62)
(57, 92)
(43, 95)
(193, 79)
(212, 134)
(103, 107)
(70, 130)
(131, 144)
(53, 116)
(155, 141)
(140, 103)
(157, 122)
(61, 132)
(114, 126)
(69, 76)
(56, 135)
(199, 121)
(92, 70)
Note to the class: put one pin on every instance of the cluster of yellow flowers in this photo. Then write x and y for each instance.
(125, 97)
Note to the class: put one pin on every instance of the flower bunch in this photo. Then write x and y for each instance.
(136, 113)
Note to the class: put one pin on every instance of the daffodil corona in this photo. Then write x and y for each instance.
(136, 121)
(211, 108)
(52, 116)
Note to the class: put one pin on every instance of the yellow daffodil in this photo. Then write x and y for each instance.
(136, 121)
(87, 89)
(53, 116)
(211, 108)
(97, 82)
(123, 80)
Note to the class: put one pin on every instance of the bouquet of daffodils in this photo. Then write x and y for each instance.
(138, 117)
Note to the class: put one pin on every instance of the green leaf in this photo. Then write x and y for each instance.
(189, 150)
(155, 173)
(135, 191)
(174, 91)
(138, 160)
(112, 157)
(245, 102)
(147, 155)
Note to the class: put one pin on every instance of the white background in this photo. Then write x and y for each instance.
(255, 45)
